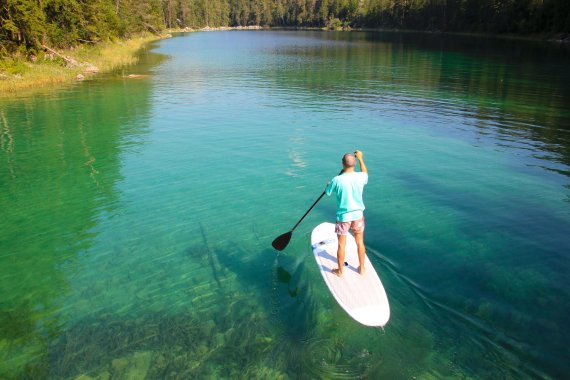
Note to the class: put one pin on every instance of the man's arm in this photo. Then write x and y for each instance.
(330, 187)
(363, 167)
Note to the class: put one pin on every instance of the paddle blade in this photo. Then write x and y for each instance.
(282, 241)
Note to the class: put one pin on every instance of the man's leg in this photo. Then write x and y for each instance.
(340, 255)
(359, 237)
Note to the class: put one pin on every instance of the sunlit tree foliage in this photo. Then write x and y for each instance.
(26, 24)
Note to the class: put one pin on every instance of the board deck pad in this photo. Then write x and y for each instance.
(361, 296)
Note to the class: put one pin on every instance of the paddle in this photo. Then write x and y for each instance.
(281, 242)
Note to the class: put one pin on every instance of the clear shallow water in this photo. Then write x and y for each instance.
(137, 216)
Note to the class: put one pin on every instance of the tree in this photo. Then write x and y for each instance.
(22, 23)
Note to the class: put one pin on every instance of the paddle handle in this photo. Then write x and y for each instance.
(309, 210)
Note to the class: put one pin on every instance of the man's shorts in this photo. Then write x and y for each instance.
(342, 228)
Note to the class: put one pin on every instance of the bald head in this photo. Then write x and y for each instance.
(348, 160)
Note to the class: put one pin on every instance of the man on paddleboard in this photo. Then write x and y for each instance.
(348, 188)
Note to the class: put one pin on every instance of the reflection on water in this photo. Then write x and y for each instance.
(137, 216)
(500, 90)
(60, 165)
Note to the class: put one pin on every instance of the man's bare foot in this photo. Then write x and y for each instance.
(338, 272)
(361, 270)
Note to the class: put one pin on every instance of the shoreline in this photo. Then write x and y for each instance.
(559, 38)
(216, 29)
(546, 37)
(83, 62)
(63, 67)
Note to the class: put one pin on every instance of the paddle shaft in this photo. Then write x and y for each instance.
(308, 211)
(314, 204)
(283, 240)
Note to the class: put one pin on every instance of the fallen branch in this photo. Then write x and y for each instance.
(89, 67)
(70, 61)
(152, 28)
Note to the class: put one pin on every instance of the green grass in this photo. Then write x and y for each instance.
(19, 75)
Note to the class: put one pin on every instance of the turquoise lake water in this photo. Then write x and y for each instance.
(137, 214)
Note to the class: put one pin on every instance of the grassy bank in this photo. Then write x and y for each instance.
(19, 76)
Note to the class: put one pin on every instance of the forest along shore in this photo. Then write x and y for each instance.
(42, 43)
(57, 67)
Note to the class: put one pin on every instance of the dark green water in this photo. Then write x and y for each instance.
(136, 216)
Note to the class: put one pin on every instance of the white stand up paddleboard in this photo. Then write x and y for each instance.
(361, 296)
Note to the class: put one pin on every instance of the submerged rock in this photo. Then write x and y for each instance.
(134, 366)
(202, 350)
(140, 364)
(80, 77)
(118, 365)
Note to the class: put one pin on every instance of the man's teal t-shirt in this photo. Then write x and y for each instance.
(348, 188)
